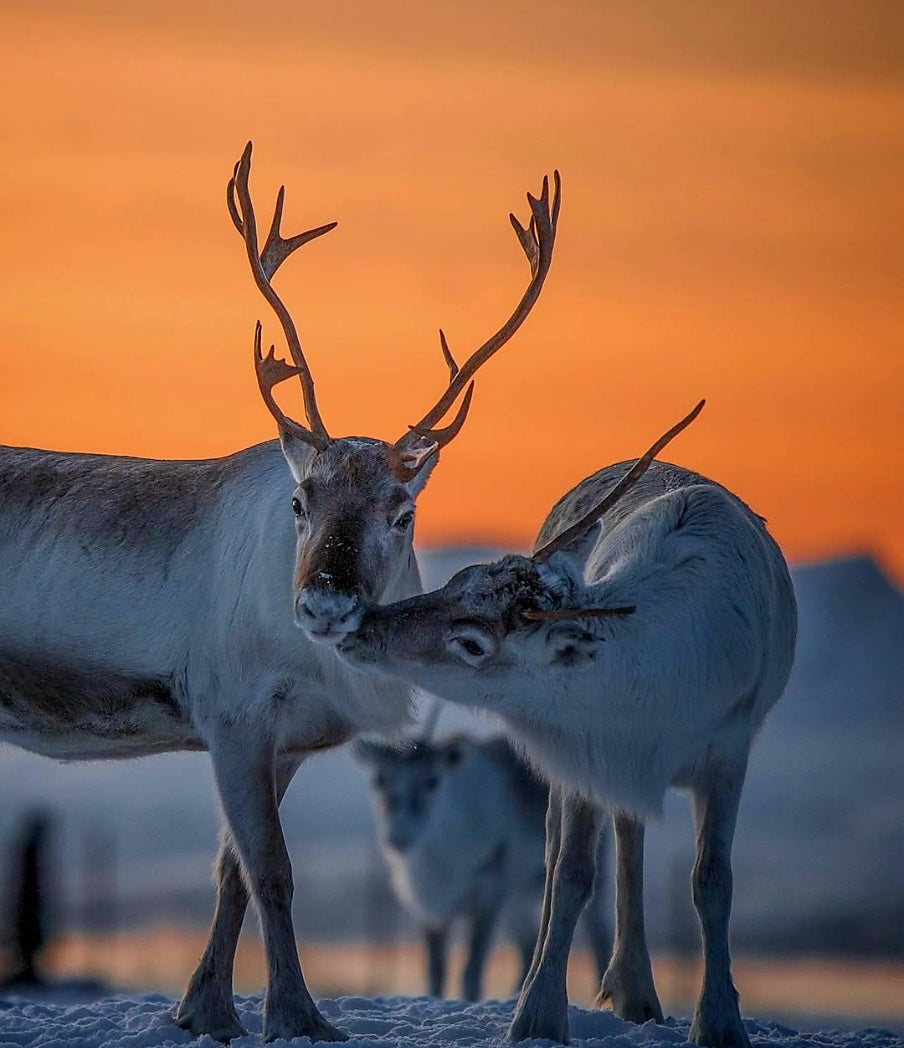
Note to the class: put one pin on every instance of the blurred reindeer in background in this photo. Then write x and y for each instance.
(461, 824)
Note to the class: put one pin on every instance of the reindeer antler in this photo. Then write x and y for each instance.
(270, 371)
(264, 264)
(621, 488)
(589, 519)
(537, 242)
(576, 613)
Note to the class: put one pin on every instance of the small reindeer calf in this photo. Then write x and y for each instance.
(462, 826)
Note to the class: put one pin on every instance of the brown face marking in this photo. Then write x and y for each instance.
(332, 559)
(349, 486)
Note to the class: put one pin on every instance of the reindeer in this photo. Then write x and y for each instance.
(461, 825)
(150, 606)
(640, 647)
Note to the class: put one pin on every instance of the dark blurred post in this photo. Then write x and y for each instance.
(28, 917)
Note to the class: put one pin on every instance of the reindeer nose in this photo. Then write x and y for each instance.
(364, 643)
(327, 615)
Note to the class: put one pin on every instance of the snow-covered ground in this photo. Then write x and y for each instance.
(144, 1021)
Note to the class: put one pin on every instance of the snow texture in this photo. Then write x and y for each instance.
(144, 1021)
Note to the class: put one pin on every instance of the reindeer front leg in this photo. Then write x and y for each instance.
(596, 917)
(553, 843)
(627, 984)
(484, 917)
(543, 1005)
(244, 772)
(435, 941)
(207, 1005)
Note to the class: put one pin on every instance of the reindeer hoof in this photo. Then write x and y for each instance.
(312, 1025)
(719, 1035)
(718, 1024)
(631, 998)
(221, 1023)
(535, 1018)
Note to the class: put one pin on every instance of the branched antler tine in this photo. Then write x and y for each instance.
(230, 201)
(537, 243)
(270, 371)
(422, 444)
(277, 249)
(447, 355)
(241, 210)
(621, 488)
(528, 239)
(448, 433)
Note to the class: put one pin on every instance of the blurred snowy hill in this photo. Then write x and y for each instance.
(819, 851)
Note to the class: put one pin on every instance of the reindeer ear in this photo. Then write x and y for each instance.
(581, 548)
(422, 456)
(569, 645)
(563, 573)
(298, 454)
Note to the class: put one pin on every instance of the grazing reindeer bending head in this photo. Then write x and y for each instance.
(145, 608)
(355, 497)
(640, 647)
(511, 620)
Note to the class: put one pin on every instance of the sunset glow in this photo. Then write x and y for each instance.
(730, 229)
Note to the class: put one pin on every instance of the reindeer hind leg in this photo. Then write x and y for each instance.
(717, 1019)
(627, 985)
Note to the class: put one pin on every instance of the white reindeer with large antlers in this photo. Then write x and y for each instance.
(149, 606)
(640, 647)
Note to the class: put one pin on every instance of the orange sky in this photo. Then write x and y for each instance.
(731, 228)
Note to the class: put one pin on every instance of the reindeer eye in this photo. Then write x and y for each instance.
(404, 522)
(297, 507)
(471, 643)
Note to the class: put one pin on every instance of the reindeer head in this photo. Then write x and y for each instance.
(406, 782)
(354, 498)
(495, 628)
